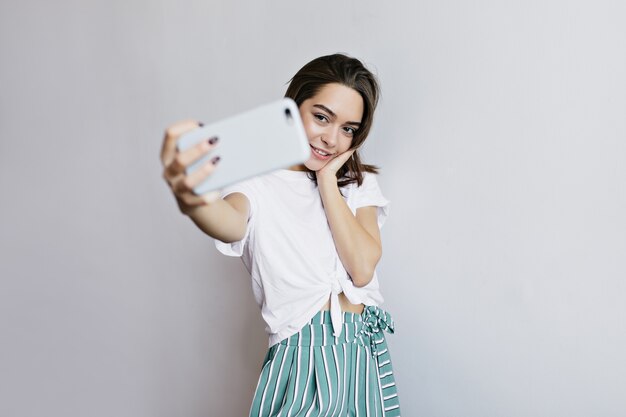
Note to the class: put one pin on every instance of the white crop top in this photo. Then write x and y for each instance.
(290, 253)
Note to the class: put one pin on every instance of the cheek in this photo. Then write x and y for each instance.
(311, 128)
(344, 144)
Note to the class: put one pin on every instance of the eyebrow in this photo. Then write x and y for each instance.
(332, 113)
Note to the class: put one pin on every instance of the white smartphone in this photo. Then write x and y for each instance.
(252, 143)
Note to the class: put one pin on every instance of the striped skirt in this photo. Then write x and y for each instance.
(313, 373)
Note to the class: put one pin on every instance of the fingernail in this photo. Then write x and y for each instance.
(213, 141)
(215, 160)
(200, 124)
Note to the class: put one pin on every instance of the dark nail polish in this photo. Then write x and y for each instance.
(215, 160)
(213, 141)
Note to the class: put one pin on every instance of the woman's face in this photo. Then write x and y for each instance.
(330, 119)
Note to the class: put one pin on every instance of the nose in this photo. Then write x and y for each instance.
(330, 137)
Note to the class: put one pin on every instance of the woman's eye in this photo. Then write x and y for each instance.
(349, 130)
(321, 117)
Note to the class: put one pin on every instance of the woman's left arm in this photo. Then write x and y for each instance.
(357, 238)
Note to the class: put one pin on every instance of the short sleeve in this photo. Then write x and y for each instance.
(369, 194)
(236, 248)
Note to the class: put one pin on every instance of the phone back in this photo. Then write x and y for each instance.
(252, 143)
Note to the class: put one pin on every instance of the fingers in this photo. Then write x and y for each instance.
(185, 158)
(175, 164)
(343, 157)
(349, 154)
(185, 183)
(172, 133)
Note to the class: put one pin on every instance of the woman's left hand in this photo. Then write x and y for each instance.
(331, 168)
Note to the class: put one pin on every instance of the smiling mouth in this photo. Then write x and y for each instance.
(319, 151)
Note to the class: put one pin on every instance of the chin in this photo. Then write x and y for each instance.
(314, 165)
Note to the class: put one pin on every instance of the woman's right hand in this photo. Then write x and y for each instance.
(175, 164)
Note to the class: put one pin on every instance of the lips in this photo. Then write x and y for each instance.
(322, 154)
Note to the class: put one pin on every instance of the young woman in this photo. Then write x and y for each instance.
(310, 238)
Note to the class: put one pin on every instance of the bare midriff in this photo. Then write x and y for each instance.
(345, 305)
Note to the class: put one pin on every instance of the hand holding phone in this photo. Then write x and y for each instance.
(252, 143)
(175, 165)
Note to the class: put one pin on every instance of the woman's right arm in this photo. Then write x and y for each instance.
(223, 219)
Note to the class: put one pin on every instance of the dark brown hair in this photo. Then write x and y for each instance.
(340, 69)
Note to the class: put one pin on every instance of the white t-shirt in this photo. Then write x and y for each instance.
(289, 250)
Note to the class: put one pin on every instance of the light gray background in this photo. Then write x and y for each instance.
(501, 137)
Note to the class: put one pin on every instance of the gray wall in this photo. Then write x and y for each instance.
(501, 137)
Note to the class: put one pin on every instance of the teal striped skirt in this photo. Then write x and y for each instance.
(314, 373)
